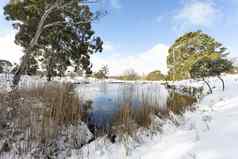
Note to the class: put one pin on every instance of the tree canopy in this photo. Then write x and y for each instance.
(155, 76)
(58, 33)
(189, 48)
(206, 67)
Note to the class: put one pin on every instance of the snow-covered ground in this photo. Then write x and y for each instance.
(210, 132)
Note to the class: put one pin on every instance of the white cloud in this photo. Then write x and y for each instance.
(202, 13)
(108, 46)
(145, 62)
(116, 4)
(8, 49)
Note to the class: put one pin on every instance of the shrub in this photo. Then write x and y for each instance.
(155, 76)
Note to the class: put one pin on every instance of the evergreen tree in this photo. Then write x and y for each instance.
(188, 49)
(56, 29)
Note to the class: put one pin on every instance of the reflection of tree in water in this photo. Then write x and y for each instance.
(109, 99)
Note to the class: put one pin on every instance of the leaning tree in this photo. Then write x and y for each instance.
(220, 66)
(188, 48)
(202, 69)
(53, 28)
(206, 67)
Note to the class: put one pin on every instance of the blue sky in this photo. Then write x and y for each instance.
(137, 34)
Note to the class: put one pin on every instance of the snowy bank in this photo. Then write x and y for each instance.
(210, 132)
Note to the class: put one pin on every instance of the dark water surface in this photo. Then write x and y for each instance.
(107, 98)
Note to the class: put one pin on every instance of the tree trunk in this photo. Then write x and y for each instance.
(20, 70)
(24, 62)
(49, 67)
(49, 78)
(34, 41)
(223, 84)
(210, 88)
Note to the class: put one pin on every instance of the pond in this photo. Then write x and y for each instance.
(106, 99)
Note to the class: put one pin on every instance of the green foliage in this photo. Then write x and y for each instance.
(155, 76)
(102, 73)
(188, 49)
(234, 70)
(4, 66)
(67, 38)
(201, 68)
(32, 66)
(220, 66)
(206, 67)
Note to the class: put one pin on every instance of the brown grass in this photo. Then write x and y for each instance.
(55, 102)
(123, 120)
(178, 103)
(39, 113)
(127, 120)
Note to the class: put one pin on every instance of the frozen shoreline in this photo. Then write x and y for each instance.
(210, 132)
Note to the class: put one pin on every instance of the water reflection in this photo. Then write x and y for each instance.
(107, 98)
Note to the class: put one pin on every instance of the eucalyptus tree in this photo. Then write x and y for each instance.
(189, 48)
(51, 29)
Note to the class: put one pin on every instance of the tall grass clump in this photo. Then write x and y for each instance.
(179, 103)
(130, 118)
(32, 119)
